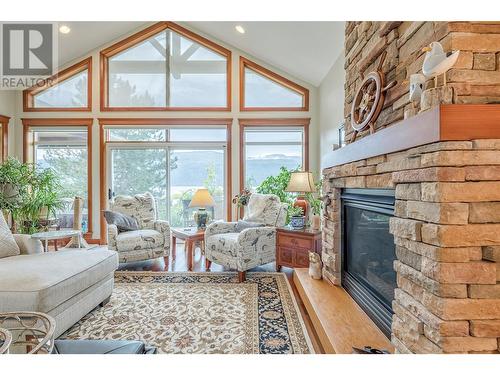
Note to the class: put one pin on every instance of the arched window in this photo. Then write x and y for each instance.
(165, 67)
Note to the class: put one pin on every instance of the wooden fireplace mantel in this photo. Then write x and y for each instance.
(449, 122)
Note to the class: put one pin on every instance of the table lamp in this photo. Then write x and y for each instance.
(201, 199)
(301, 182)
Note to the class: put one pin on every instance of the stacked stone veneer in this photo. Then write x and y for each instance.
(475, 78)
(447, 234)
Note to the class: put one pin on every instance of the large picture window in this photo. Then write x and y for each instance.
(63, 146)
(171, 159)
(68, 90)
(264, 90)
(166, 67)
(268, 145)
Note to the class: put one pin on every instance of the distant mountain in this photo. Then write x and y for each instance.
(192, 167)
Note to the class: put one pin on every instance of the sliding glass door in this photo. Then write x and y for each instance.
(136, 170)
(172, 173)
(192, 169)
(65, 152)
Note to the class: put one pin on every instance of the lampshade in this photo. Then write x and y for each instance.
(202, 198)
(301, 182)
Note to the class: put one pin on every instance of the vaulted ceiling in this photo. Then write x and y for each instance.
(305, 50)
(87, 36)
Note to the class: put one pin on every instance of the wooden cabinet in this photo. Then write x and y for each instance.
(293, 246)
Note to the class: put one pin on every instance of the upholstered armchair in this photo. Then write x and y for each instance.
(251, 247)
(152, 240)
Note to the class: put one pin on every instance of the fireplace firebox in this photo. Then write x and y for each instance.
(368, 252)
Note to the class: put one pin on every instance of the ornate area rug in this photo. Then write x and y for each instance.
(200, 313)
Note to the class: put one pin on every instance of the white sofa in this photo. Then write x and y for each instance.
(66, 284)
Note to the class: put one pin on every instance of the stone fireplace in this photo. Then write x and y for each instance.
(442, 163)
(446, 229)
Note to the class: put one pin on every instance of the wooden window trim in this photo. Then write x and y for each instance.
(107, 122)
(30, 123)
(29, 94)
(246, 63)
(4, 123)
(255, 123)
(143, 35)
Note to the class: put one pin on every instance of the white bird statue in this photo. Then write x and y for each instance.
(437, 62)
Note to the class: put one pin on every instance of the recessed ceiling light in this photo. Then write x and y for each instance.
(240, 29)
(64, 29)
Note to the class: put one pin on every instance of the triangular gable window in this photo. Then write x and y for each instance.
(264, 90)
(166, 67)
(68, 90)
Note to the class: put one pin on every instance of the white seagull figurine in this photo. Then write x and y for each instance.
(437, 62)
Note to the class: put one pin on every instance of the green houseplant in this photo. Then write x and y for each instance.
(297, 219)
(31, 196)
(316, 204)
(277, 185)
(14, 180)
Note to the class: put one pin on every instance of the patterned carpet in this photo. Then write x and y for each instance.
(200, 313)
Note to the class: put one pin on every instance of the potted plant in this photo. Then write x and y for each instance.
(241, 199)
(14, 182)
(14, 179)
(277, 185)
(31, 196)
(297, 218)
(316, 204)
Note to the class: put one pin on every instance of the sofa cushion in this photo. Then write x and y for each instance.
(8, 245)
(40, 282)
(139, 240)
(225, 243)
(27, 244)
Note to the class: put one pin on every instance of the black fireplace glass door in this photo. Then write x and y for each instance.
(371, 252)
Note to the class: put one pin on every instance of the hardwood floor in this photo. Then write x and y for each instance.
(180, 265)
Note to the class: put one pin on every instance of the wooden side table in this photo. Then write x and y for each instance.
(190, 237)
(293, 246)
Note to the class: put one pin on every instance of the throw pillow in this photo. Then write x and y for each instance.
(124, 223)
(8, 245)
(244, 224)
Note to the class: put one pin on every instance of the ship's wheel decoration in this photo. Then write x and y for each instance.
(369, 100)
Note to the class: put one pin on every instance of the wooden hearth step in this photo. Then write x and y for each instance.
(339, 322)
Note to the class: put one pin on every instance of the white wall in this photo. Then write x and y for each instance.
(235, 114)
(331, 107)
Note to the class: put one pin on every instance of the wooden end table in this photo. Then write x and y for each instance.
(293, 246)
(190, 236)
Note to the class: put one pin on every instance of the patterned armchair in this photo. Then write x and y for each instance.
(151, 241)
(251, 247)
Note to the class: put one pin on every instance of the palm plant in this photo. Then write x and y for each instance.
(31, 196)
